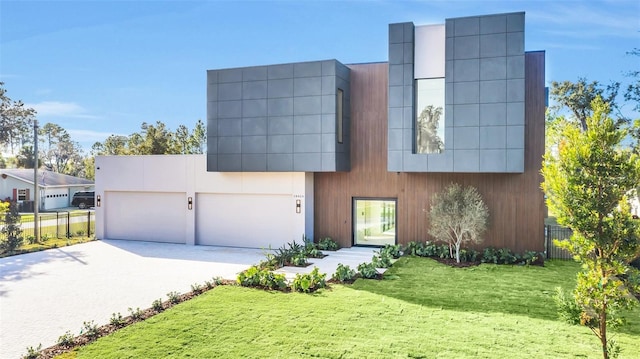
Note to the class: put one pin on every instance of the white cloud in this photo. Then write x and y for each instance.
(89, 136)
(60, 109)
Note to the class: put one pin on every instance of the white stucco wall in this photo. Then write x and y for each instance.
(187, 175)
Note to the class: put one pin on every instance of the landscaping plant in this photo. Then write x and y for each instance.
(309, 282)
(11, 230)
(458, 215)
(343, 273)
(586, 184)
(328, 244)
(367, 270)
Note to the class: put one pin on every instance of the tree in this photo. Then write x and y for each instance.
(586, 185)
(59, 152)
(11, 229)
(577, 97)
(458, 215)
(632, 92)
(15, 119)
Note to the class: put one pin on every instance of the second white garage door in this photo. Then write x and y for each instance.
(244, 220)
(145, 216)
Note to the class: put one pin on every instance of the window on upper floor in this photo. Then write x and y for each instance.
(429, 116)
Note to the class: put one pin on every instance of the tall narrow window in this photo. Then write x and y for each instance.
(339, 123)
(429, 125)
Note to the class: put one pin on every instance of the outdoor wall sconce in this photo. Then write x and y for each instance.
(190, 203)
(98, 201)
(298, 206)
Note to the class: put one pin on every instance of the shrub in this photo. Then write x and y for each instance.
(568, 309)
(394, 250)
(174, 297)
(90, 329)
(468, 255)
(430, 249)
(33, 353)
(311, 250)
(300, 260)
(137, 313)
(11, 230)
(67, 339)
(458, 215)
(116, 320)
(309, 282)
(328, 244)
(367, 270)
(505, 256)
(381, 260)
(343, 273)
(157, 305)
(414, 248)
(196, 288)
(490, 255)
(256, 277)
(443, 251)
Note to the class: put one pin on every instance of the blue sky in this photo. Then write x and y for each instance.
(101, 68)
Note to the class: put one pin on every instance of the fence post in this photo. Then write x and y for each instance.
(88, 223)
(68, 224)
(547, 240)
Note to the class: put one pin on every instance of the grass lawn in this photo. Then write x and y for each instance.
(48, 244)
(422, 310)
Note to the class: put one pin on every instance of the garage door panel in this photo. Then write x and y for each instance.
(243, 220)
(146, 216)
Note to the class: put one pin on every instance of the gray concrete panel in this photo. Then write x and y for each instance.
(328, 85)
(493, 137)
(395, 117)
(254, 144)
(448, 71)
(515, 67)
(328, 104)
(466, 115)
(307, 143)
(343, 72)
(466, 138)
(408, 117)
(254, 108)
(329, 142)
(212, 128)
(515, 90)
(414, 163)
(466, 160)
(409, 30)
(229, 144)
(280, 107)
(466, 92)
(212, 93)
(407, 96)
(515, 113)
(229, 75)
(394, 161)
(229, 127)
(493, 91)
(212, 162)
(407, 53)
(307, 69)
(493, 24)
(449, 48)
(493, 68)
(515, 43)
(212, 77)
(396, 96)
(394, 139)
(515, 137)
(396, 54)
(467, 26)
(230, 91)
(396, 75)
(307, 124)
(309, 105)
(307, 86)
(449, 26)
(255, 73)
(254, 126)
(329, 68)
(230, 163)
(493, 160)
(229, 109)
(515, 22)
(467, 47)
(307, 162)
(328, 161)
(466, 70)
(515, 160)
(442, 162)
(280, 162)
(281, 125)
(408, 75)
(329, 123)
(280, 144)
(493, 45)
(396, 33)
(284, 71)
(280, 88)
(493, 114)
(254, 162)
(212, 144)
(212, 110)
(254, 90)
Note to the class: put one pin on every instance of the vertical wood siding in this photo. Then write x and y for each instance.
(515, 201)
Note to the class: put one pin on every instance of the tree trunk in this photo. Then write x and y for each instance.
(458, 252)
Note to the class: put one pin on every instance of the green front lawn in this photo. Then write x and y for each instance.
(422, 310)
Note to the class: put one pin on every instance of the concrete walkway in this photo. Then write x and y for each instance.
(44, 294)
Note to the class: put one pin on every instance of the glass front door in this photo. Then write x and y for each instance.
(374, 222)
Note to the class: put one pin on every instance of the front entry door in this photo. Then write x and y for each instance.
(374, 221)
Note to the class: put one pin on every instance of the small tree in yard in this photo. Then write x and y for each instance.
(11, 230)
(586, 184)
(458, 215)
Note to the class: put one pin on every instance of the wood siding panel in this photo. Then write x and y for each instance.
(515, 201)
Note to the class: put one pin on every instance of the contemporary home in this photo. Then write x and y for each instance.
(55, 189)
(351, 151)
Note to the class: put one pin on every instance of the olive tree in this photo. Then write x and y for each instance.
(586, 184)
(458, 215)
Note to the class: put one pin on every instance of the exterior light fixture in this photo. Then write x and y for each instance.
(298, 206)
(190, 203)
(98, 201)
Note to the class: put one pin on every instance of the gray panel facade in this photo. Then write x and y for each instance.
(484, 97)
(278, 118)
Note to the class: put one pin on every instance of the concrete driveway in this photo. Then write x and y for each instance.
(44, 294)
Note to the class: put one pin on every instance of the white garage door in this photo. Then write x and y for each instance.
(145, 216)
(244, 220)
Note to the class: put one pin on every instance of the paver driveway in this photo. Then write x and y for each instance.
(44, 294)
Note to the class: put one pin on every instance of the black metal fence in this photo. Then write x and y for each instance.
(57, 224)
(559, 233)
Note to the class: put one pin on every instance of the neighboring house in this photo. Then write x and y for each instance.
(354, 152)
(55, 189)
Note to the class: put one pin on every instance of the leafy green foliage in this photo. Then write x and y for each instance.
(33, 353)
(382, 259)
(90, 329)
(568, 309)
(343, 274)
(328, 244)
(367, 270)
(258, 277)
(11, 230)
(586, 186)
(458, 215)
(136, 314)
(309, 282)
(67, 339)
(174, 297)
(157, 305)
(116, 320)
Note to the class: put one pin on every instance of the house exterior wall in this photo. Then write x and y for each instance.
(515, 201)
(187, 176)
(278, 118)
(7, 185)
(484, 96)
